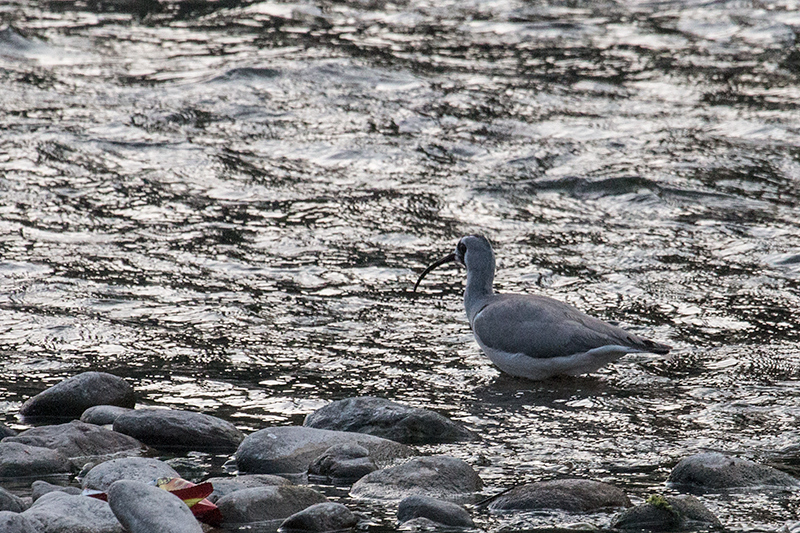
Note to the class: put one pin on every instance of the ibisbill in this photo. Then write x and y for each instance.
(532, 336)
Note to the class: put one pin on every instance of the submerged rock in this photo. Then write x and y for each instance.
(389, 420)
(267, 503)
(225, 485)
(439, 512)
(715, 471)
(572, 495)
(58, 512)
(71, 397)
(11, 522)
(143, 508)
(343, 463)
(78, 439)
(320, 517)
(441, 476)
(39, 488)
(176, 429)
(668, 513)
(101, 415)
(11, 502)
(142, 469)
(21, 460)
(289, 450)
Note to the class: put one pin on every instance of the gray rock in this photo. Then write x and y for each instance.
(11, 502)
(176, 429)
(440, 476)
(71, 397)
(715, 471)
(142, 469)
(78, 439)
(437, 511)
(16, 523)
(668, 513)
(320, 517)
(6, 431)
(343, 463)
(21, 460)
(266, 503)
(572, 495)
(102, 415)
(58, 512)
(289, 450)
(225, 485)
(143, 508)
(389, 420)
(39, 488)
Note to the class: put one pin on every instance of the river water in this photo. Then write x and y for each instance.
(228, 203)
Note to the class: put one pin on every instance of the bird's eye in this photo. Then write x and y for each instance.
(462, 248)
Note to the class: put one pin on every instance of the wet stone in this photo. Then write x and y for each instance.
(78, 439)
(177, 429)
(102, 415)
(143, 508)
(572, 495)
(71, 397)
(706, 472)
(58, 512)
(142, 469)
(11, 502)
(439, 476)
(437, 511)
(225, 485)
(260, 504)
(326, 516)
(342, 463)
(389, 420)
(6, 431)
(668, 513)
(291, 449)
(11, 522)
(21, 460)
(39, 488)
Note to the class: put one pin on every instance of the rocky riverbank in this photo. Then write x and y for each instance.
(366, 443)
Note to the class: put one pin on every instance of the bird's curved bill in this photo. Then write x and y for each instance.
(449, 258)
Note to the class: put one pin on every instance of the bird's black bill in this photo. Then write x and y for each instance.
(447, 259)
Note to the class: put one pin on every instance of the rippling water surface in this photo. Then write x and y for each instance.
(228, 202)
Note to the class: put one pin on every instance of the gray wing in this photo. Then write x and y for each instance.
(542, 327)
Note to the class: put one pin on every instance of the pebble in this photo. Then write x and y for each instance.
(708, 472)
(102, 415)
(21, 460)
(437, 511)
(142, 469)
(11, 522)
(389, 420)
(342, 464)
(11, 502)
(291, 449)
(260, 504)
(572, 495)
(78, 439)
(143, 508)
(59, 512)
(439, 476)
(39, 488)
(71, 397)
(320, 517)
(668, 513)
(225, 485)
(175, 429)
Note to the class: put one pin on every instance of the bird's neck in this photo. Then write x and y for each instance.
(479, 288)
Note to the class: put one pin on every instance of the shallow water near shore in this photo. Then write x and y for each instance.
(228, 203)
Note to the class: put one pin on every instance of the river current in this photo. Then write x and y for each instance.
(228, 203)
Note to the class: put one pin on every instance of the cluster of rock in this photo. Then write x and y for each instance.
(363, 442)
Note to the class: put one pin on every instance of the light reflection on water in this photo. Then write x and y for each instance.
(229, 204)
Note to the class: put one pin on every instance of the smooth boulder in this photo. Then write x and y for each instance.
(143, 508)
(58, 512)
(39, 488)
(572, 495)
(668, 513)
(389, 420)
(71, 397)
(439, 476)
(320, 517)
(78, 439)
(143, 469)
(11, 522)
(290, 449)
(261, 504)
(437, 511)
(225, 485)
(182, 430)
(21, 460)
(708, 472)
(11, 502)
(101, 415)
(342, 463)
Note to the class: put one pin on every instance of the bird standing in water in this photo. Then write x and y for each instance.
(530, 336)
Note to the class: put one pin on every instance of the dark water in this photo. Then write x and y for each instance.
(228, 202)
